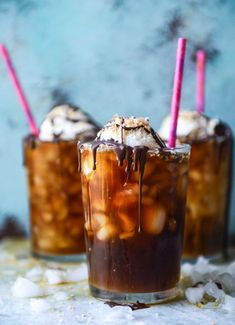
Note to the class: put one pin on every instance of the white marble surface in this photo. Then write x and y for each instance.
(71, 303)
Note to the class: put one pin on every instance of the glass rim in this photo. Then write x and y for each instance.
(184, 148)
(185, 140)
(179, 148)
(38, 140)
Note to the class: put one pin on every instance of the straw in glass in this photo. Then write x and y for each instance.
(175, 103)
(200, 74)
(19, 90)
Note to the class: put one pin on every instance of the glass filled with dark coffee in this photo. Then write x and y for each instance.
(54, 186)
(209, 185)
(134, 191)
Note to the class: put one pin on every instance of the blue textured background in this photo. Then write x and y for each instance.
(107, 56)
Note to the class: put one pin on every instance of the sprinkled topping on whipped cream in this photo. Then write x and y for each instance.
(130, 131)
(191, 126)
(67, 122)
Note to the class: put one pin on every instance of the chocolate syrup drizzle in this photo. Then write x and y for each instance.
(134, 306)
(136, 156)
(86, 118)
(151, 131)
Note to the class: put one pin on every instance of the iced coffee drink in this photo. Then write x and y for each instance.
(133, 190)
(56, 213)
(209, 182)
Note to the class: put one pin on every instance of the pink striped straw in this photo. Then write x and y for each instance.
(200, 73)
(175, 102)
(23, 101)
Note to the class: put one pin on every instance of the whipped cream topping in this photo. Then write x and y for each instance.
(130, 131)
(191, 126)
(67, 122)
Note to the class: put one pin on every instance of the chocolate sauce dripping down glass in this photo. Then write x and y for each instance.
(136, 155)
(140, 157)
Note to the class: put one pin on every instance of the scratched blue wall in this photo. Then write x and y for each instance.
(107, 56)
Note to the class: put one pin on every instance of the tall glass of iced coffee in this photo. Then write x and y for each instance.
(56, 213)
(208, 195)
(133, 190)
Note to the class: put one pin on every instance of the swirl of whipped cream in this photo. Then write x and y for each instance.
(191, 126)
(131, 131)
(65, 122)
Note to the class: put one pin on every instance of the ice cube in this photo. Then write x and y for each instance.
(154, 219)
(98, 220)
(127, 197)
(227, 281)
(24, 288)
(61, 296)
(127, 223)
(194, 295)
(127, 234)
(47, 216)
(186, 269)
(55, 276)
(39, 305)
(195, 175)
(35, 274)
(77, 274)
(87, 167)
(229, 304)
(99, 205)
(45, 243)
(108, 231)
(201, 271)
(202, 261)
(212, 290)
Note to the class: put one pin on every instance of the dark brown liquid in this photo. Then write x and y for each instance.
(134, 217)
(208, 197)
(56, 214)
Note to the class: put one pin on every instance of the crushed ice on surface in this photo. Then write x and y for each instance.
(205, 283)
(61, 296)
(229, 304)
(77, 274)
(55, 276)
(228, 282)
(27, 287)
(40, 305)
(24, 288)
(35, 274)
(69, 303)
(194, 295)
